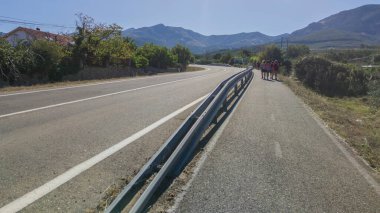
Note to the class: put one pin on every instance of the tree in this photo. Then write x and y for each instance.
(89, 36)
(226, 58)
(271, 52)
(183, 55)
(217, 56)
(47, 57)
(115, 50)
(8, 62)
(140, 61)
(245, 53)
(159, 57)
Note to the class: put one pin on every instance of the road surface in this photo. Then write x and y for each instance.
(273, 156)
(47, 135)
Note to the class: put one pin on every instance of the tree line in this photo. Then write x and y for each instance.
(94, 44)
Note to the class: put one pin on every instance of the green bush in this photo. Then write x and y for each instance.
(183, 55)
(140, 61)
(376, 59)
(286, 67)
(294, 51)
(159, 57)
(374, 87)
(7, 68)
(331, 79)
(47, 58)
(271, 52)
(346, 56)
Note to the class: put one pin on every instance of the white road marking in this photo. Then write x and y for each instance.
(96, 97)
(277, 149)
(78, 86)
(70, 87)
(272, 117)
(41, 191)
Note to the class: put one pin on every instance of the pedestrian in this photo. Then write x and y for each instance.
(276, 67)
(268, 69)
(262, 68)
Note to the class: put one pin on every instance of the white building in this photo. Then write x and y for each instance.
(25, 34)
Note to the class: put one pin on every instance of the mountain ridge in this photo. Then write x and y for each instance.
(349, 28)
(170, 36)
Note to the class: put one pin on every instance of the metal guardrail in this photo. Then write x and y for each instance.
(173, 155)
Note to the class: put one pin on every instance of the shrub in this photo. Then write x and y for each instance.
(47, 57)
(159, 57)
(376, 59)
(140, 61)
(374, 87)
(331, 79)
(183, 55)
(295, 51)
(286, 67)
(271, 52)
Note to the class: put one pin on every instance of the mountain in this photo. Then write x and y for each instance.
(167, 36)
(348, 28)
(197, 43)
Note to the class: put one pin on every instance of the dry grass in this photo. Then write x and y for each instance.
(354, 119)
(193, 69)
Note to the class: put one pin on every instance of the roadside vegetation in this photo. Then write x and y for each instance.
(94, 45)
(341, 91)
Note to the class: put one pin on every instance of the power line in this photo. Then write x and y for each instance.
(10, 20)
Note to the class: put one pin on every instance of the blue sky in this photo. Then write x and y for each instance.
(208, 17)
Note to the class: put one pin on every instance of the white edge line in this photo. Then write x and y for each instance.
(202, 160)
(69, 87)
(78, 86)
(96, 97)
(46, 188)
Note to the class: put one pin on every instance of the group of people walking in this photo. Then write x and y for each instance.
(268, 69)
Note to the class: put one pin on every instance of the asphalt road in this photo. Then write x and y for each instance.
(44, 134)
(273, 156)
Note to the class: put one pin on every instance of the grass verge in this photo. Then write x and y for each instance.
(81, 82)
(354, 119)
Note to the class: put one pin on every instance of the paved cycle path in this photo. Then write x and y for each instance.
(273, 156)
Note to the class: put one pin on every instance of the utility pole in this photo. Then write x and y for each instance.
(287, 44)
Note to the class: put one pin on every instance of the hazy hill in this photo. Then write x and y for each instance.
(198, 43)
(349, 28)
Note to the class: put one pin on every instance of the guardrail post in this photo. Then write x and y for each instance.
(225, 105)
(215, 120)
(236, 89)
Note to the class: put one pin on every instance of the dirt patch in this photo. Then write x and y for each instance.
(194, 69)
